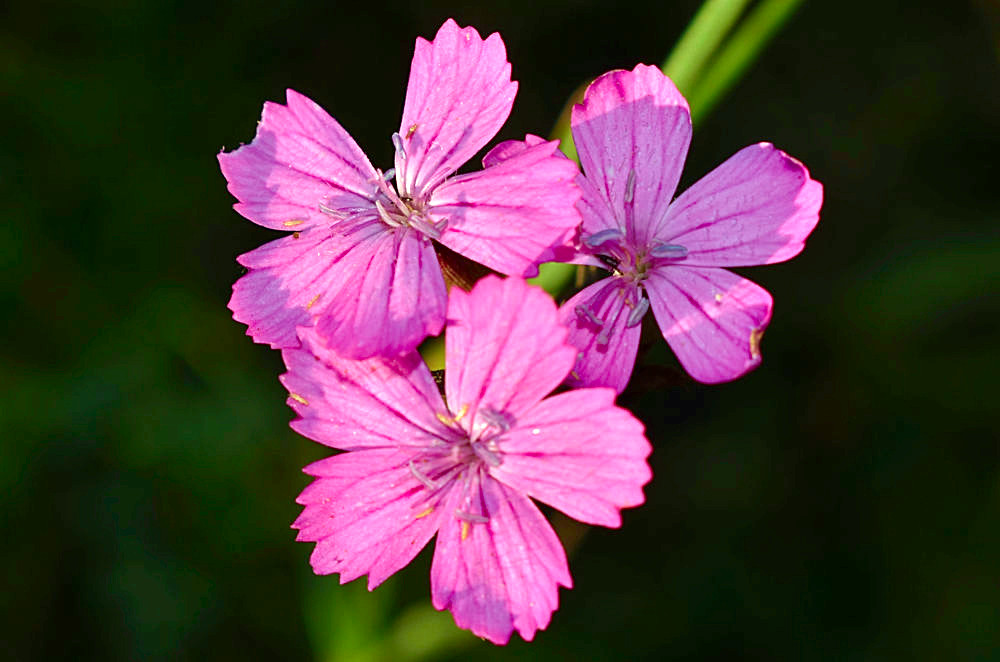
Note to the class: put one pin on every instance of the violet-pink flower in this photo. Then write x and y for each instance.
(466, 467)
(360, 265)
(632, 133)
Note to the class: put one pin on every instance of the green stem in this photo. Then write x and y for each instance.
(741, 50)
(703, 35)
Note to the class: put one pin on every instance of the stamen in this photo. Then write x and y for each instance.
(397, 142)
(389, 174)
(603, 338)
(494, 419)
(292, 224)
(470, 517)
(670, 251)
(424, 479)
(417, 222)
(424, 513)
(603, 237)
(313, 301)
(384, 215)
(586, 313)
(485, 454)
(336, 213)
(630, 186)
(637, 313)
(298, 398)
(462, 412)
(411, 131)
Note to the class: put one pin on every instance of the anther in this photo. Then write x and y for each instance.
(669, 251)
(587, 314)
(494, 419)
(638, 312)
(424, 479)
(470, 517)
(397, 142)
(603, 237)
(486, 455)
(630, 186)
(389, 174)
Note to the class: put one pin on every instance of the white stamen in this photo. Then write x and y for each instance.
(389, 174)
(384, 215)
(419, 223)
(603, 338)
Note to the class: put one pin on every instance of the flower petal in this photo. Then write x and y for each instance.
(272, 298)
(458, 97)
(756, 208)
(578, 452)
(712, 319)
(300, 159)
(388, 295)
(367, 514)
(505, 349)
(371, 290)
(376, 403)
(502, 574)
(598, 321)
(510, 215)
(633, 126)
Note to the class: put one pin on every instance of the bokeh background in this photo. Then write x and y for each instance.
(840, 503)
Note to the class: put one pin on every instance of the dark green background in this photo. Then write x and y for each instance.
(840, 503)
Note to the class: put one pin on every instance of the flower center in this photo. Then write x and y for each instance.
(464, 454)
(628, 261)
(399, 211)
(469, 446)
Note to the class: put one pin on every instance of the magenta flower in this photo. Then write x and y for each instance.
(360, 263)
(464, 469)
(632, 132)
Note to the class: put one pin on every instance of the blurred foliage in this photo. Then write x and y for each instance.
(842, 502)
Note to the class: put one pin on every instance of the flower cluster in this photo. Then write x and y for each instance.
(357, 284)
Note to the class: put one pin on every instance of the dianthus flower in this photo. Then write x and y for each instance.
(632, 132)
(360, 265)
(464, 467)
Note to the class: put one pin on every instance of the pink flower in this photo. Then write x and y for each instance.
(360, 264)
(464, 469)
(632, 132)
